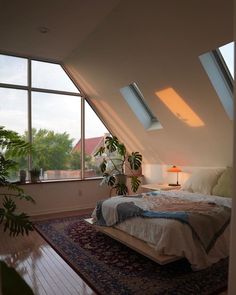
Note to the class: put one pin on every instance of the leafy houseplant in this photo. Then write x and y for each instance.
(115, 162)
(11, 147)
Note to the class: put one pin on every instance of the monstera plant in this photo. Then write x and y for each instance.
(116, 163)
(11, 147)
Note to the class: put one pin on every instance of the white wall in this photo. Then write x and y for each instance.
(62, 196)
(156, 173)
(232, 266)
(74, 195)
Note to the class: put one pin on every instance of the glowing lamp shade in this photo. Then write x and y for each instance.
(176, 170)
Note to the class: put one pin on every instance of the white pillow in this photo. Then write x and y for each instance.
(202, 181)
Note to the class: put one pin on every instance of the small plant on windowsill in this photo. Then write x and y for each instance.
(34, 175)
(115, 162)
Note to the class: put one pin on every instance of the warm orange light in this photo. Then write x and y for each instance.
(174, 169)
(179, 107)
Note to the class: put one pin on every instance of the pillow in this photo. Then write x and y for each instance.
(224, 186)
(202, 181)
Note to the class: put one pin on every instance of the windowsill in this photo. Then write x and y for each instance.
(48, 181)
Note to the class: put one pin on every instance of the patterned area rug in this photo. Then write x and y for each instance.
(109, 267)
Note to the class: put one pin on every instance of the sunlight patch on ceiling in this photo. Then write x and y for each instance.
(179, 107)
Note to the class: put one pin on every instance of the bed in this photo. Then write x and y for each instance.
(168, 225)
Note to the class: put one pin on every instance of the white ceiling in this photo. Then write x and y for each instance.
(69, 23)
(157, 45)
(107, 44)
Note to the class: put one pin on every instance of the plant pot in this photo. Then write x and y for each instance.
(22, 176)
(34, 177)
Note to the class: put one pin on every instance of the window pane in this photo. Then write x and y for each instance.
(51, 76)
(227, 52)
(13, 70)
(95, 133)
(56, 131)
(13, 115)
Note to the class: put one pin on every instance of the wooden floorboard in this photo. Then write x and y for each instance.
(39, 264)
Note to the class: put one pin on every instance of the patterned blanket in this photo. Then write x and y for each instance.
(207, 220)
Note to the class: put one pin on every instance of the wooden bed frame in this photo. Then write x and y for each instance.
(133, 243)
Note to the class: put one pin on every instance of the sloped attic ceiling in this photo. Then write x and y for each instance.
(69, 23)
(157, 44)
(108, 44)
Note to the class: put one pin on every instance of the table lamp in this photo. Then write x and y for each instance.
(177, 170)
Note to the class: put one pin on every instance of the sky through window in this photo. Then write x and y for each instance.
(227, 52)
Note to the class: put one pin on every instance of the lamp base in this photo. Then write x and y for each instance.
(174, 184)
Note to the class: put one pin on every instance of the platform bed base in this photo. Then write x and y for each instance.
(134, 243)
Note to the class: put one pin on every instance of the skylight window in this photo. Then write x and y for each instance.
(219, 66)
(136, 102)
(227, 52)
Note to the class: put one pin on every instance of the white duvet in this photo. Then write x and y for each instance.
(172, 237)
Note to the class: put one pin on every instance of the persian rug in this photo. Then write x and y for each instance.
(110, 267)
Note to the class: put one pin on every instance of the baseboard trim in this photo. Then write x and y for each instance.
(60, 210)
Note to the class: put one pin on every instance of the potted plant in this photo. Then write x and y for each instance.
(11, 147)
(116, 162)
(22, 176)
(34, 175)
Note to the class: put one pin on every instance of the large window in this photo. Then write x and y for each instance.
(13, 115)
(56, 128)
(40, 102)
(95, 134)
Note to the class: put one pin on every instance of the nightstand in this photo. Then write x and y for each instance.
(157, 187)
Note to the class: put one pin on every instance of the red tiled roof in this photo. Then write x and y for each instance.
(91, 145)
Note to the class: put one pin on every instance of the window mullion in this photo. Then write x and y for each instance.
(55, 91)
(29, 110)
(82, 138)
(13, 86)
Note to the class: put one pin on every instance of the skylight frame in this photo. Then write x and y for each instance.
(136, 101)
(221, 79)
(224, 68)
